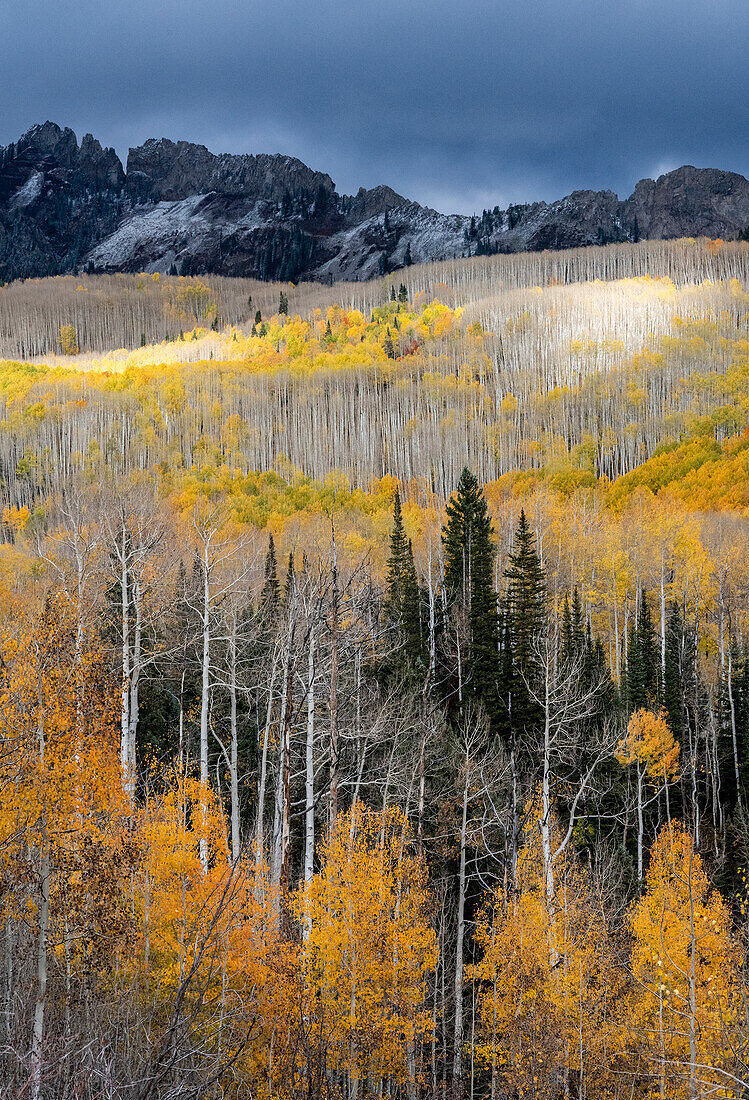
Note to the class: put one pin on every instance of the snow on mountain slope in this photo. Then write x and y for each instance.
(28, 193)
(65, 207)
(154, 237)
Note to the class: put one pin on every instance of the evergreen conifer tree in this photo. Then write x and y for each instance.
(643, 662)
(403, 598)
(469, 562)
(289, 582)
(574, 639)
(672, 693)
(525, 616)
(271, 595)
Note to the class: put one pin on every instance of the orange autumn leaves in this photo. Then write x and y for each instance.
(660, 1003)
(369, 945)
(560, 993)
(686, 1000)
(132, 907)
(650, 743)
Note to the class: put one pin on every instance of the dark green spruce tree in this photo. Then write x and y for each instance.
(403, 600)
(469, 576)
(524, 614)
(643, 662)
(573, 639)
(673, 696)
(270, 597)
(288, 584)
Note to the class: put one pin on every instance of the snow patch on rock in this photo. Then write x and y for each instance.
(28, 193)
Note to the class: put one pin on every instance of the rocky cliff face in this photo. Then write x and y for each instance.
(57, 199)
(180, 208)
(691, 202)
(168, 170)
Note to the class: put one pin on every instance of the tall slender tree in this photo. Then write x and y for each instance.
(469, 569)
(524, 617)
(643, 663)
(403, 598)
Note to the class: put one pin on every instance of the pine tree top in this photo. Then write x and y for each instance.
(467, 534)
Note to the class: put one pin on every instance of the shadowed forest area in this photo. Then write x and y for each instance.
(374, 682)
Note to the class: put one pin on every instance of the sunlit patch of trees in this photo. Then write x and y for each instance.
(374, 695)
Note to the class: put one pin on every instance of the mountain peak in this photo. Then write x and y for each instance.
(178, 206)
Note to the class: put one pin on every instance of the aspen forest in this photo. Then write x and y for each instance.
(374, 682)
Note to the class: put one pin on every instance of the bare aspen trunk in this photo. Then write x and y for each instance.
(41, 974)
(693, 1076)
(286, 777)
(546, 824)
(260, 819)
(125, 717)
(616, 622)
(640, 824)
(276, 853)
(234, 750)
(459, 942)
(515, 823)
(8, 978)
(135, 671)
(204, 694)
(663, 614)
(309, 766)
(37, 1037)
(422, 784)
(432, 624)
(734, 738)
(333, 696)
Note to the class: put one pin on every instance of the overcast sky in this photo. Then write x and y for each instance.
(459, 105)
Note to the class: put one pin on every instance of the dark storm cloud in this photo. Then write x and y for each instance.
(460, 105)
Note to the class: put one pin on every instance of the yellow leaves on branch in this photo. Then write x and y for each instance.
(369, 944)
(650, 742)
(686, 968)
(68, 340)
(16, 518)
(541, 1009)
(217, 925)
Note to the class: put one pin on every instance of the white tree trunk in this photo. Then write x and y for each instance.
(205, 691)
(262, 779)
(234, 750)
(37, 1037)
(309, 770)
(459, 942)
(125, 716)
(37, 1040)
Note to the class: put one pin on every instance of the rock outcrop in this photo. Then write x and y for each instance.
(180, 208)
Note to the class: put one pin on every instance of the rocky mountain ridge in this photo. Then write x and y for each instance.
(179, 208)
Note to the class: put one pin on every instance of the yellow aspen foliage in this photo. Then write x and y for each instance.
(16, 518)
(650, 742)
(207, 939)
(369, 947)
(683, 1009)
(68, 340)
(62, 805)
(548, 1021)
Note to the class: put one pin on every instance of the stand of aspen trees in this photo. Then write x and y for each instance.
(374, 683)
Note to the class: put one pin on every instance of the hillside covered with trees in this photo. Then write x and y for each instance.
(374, 682)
